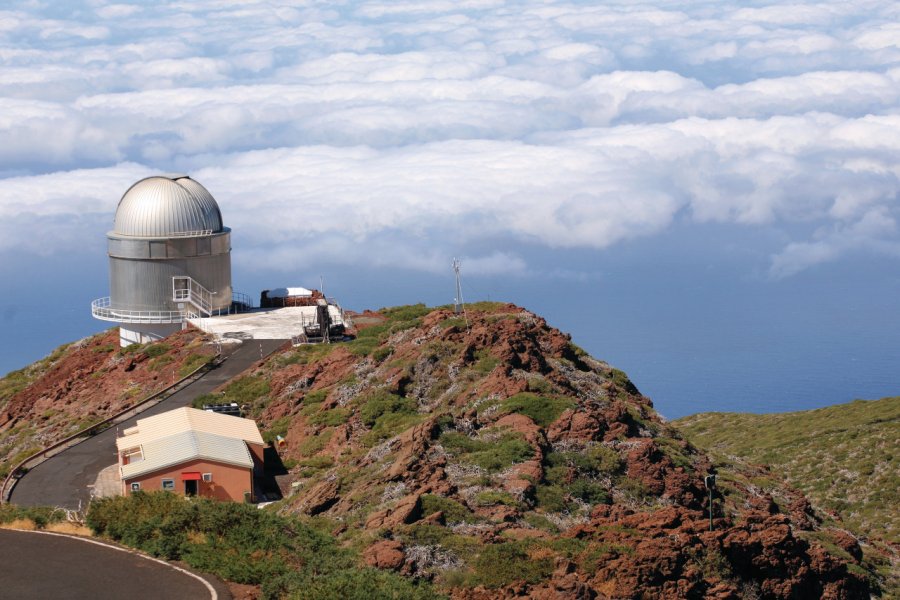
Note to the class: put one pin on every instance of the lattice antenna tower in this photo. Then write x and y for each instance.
(459, 305)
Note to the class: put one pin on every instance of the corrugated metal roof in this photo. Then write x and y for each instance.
(166, 206)
(168, 451)
(189, 419)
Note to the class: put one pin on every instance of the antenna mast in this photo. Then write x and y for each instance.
(457, 301)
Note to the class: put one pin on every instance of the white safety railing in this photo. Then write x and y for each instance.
(185, 289)
(102, 309)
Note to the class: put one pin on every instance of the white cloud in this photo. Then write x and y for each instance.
(407, 128)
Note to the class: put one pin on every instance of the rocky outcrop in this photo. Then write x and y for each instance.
(487, 453)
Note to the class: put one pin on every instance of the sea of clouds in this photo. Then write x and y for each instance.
(393, 133)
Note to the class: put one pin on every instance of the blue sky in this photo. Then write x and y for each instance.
(625, 169)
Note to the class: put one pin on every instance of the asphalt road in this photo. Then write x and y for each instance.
(63, 480)
(36, 566)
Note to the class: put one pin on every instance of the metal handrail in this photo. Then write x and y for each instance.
(192, 292)
(197, 233)
(102, 309)
(241, 298)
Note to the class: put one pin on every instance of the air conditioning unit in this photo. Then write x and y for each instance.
(207, 477)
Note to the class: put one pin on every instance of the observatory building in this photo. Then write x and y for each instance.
(169, 259)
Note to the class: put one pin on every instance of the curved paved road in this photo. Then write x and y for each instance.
(37, 566)
(63, 480)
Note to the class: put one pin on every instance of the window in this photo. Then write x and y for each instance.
(168, 485)
(136, 486)
(207, 477)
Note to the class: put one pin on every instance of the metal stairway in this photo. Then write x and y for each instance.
(186, 290)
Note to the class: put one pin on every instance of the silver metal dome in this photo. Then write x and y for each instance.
(167, 206)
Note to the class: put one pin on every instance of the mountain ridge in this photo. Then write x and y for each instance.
(488, 454)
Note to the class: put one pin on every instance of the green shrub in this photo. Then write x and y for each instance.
(330, 418)
(540, 522)
(493, 455)
(589, 491)
(405, 313)
(161, 361)
(605, 460)
(241, 543)
(205, 399)
(278, 427)
(41, 516)
(485, 362)
(311, 466)
(193, 362)
(454, 512)
(305, 354)
(245, 390)
(551, 498)
(383, 402)
(315, 443)
(543, 410)
(363, 346)
(501, 564)
(154, 350)
(359, 584)
(493, 497)
(382, 353)
(453, 322)
(390, 424)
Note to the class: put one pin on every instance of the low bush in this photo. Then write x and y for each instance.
(245, 390)
(382, 402)
(493, 455)
(329, 418)
(241, 543)
(154, 350)
(454, 512)
(41, 516)
(543, 410)
(193, 362)
(493, 497)
(501, 564)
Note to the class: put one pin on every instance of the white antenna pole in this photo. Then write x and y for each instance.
(322, 284)
(458, 299)
(458, 303)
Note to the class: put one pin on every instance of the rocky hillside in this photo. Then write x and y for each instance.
(845, 458)
(493, 457)
(83, 383)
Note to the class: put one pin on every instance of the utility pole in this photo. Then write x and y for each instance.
(710, 482)
(457, 302)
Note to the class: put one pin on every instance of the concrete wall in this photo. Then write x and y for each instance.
(144, 333)
(228, 482)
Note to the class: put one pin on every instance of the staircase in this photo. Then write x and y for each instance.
(186, 290)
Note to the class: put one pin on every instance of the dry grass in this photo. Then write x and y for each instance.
(20, 524)
(69, 529)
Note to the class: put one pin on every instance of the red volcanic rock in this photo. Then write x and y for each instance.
(319, 497)
(576, 426)
(847, 542)
(386, 554)
(408, 510)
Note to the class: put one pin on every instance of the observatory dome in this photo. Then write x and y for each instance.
(167, 206)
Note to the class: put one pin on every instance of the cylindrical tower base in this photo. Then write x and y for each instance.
(141, 333)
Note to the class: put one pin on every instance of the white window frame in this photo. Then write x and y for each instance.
(171, 486)
(207, 477)
(135, 486)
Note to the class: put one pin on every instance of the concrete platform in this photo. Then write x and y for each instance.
(264, 323)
